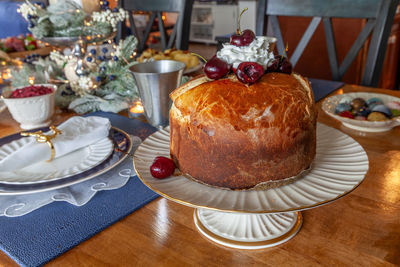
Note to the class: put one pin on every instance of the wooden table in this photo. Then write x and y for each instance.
(360, 229)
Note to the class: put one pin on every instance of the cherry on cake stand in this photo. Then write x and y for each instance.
(256, 219)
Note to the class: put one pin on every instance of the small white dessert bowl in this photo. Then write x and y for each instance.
(34, 111)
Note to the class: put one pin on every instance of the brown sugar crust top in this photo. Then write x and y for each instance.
(277, 100)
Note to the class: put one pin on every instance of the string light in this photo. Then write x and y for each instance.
(31, 80)
(136, 109)
(6, 74)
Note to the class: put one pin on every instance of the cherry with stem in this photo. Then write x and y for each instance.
(242, 38)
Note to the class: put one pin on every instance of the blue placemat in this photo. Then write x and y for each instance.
(322, 88)
(40, 236)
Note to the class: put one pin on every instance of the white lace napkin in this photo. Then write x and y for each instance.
(77, 132)
(78, 194)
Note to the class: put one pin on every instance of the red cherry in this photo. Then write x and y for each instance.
(243, 39)
(249, 72)
(274, 65)
(216, 68)
(280, 64)
(162, 167)
(346, 114)
(285, 66)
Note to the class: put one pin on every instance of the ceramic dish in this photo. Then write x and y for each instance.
(68, 41)
(34, 111)
(73, 163)
(117, 136)
(339, 167)
(329, 106)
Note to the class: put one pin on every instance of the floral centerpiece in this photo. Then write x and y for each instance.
(105, 84)
(68, 19)
(108, 86)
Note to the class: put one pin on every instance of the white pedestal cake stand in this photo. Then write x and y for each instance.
(256, 219)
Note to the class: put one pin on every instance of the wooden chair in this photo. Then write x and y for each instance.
(180, 31)
(379, 16)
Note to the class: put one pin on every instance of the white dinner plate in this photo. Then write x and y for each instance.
(121, 140)
(329, 106)
(68, 165)
(339, 167)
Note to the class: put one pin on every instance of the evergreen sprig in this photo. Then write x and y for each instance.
(111, 95)
(65, 19)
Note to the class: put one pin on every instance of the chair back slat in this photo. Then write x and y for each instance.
(331, 45)
(356, 47)
(324, 8)
(172, 36)
(378, 43)
(163, 33)
(180, 31)
(379, 16)
(277, 33)
(154, 5)
(305, 39)
(147, 30)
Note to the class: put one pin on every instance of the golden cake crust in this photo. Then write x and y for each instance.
(228, 134)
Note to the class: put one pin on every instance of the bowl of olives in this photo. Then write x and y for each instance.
(368, 112)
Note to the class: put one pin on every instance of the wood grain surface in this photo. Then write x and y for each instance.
(360, 229)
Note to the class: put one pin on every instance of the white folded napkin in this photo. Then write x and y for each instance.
(77, 132)
(78, 194)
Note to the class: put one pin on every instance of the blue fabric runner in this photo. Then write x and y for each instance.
(42, 235)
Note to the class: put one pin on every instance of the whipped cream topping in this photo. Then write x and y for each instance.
(256, 51)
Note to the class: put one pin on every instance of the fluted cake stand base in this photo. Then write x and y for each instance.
(247, 231)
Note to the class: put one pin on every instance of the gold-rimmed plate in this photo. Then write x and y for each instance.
(339, 167)
(73, 163)
(120, 139)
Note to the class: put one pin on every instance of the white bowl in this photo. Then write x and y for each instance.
(32, 112)
(329, 106)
